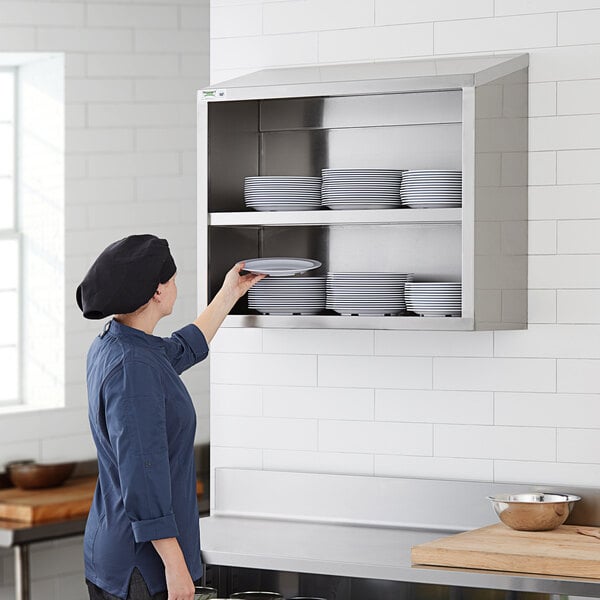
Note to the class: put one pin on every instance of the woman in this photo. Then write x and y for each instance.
(142, 538)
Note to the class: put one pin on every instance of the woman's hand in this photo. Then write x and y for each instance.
(179, 583)
(233, 288)
(236, 285)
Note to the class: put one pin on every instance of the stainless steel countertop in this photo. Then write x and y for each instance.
(356, 551)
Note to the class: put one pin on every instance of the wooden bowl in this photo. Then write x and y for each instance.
(32, 476)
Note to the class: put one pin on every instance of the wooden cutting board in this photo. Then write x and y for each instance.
(72, 499)
(561, 551)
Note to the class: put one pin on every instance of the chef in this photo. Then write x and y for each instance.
(142, 538)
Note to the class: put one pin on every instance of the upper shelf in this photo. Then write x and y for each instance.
(363, 78)
(334, 217)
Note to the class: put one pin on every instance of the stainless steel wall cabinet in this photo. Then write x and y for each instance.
(461, 113)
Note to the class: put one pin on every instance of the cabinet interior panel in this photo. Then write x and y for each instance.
(431, 252)
(380, 110)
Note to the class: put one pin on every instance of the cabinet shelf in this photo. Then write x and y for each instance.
(346, 322)
(337, 217)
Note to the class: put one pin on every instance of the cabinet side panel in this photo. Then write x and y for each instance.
(501, 203)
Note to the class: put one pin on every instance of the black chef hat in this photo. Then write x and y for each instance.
(125, 276)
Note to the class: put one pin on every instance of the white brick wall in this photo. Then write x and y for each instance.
(132, 71)
(506, 406)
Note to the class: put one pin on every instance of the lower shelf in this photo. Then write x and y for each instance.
(342, 322)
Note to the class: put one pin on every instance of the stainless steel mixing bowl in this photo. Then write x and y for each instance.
(535, 511)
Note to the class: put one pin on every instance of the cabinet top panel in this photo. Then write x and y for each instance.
(445, 73)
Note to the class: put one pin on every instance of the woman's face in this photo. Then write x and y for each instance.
(168, 295)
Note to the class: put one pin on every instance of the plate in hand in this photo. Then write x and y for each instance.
(280, 266)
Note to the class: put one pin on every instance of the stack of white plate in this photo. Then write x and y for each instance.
(282, 192)
(376, 294)
(431, 189)
(288, 296)
(434, 299)
(348, 189)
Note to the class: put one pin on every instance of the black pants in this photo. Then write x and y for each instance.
(138, 590)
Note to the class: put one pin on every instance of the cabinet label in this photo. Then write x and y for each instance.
(213, 94)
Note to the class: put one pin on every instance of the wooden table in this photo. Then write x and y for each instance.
(19, 535)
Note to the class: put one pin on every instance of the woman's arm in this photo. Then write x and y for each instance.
(233, 288)
(179, 581)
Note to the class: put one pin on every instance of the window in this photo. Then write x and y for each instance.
(9, 242)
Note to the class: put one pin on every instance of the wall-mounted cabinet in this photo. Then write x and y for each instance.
(466, 114)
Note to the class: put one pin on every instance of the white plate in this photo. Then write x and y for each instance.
(362, 200)
(290, 207)
(296, 289)
(289, 305)
(368, 313)
(426, 194)
(282, 208)
(282, 204)
(289, 312)
(280, 266)
(282, 193)
(428, 313)
(272, 285)
(431, 194)
(373, 288)
(432, 171)
(437, 284)
(282, 198)
(457, 191)
(290, 299)
(431, 205)
(359, 194)
(430, 176)
(441, 299)
(291, 200)
(433, 304)
(333, 185)
(283, 178)
(431, 202)
(362, 206)
(351, 172)
(390, 303)
(285, 292)
(360, 277)
(366, 289)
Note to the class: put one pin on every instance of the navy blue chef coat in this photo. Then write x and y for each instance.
(143, 423)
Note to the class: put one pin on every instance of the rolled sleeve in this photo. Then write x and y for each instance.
(136, 424)
(155, 529)
(186, 347)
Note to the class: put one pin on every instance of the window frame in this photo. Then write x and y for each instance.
(14, 233)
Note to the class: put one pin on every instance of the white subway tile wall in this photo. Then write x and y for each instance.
(507, 406)
(132, 71)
